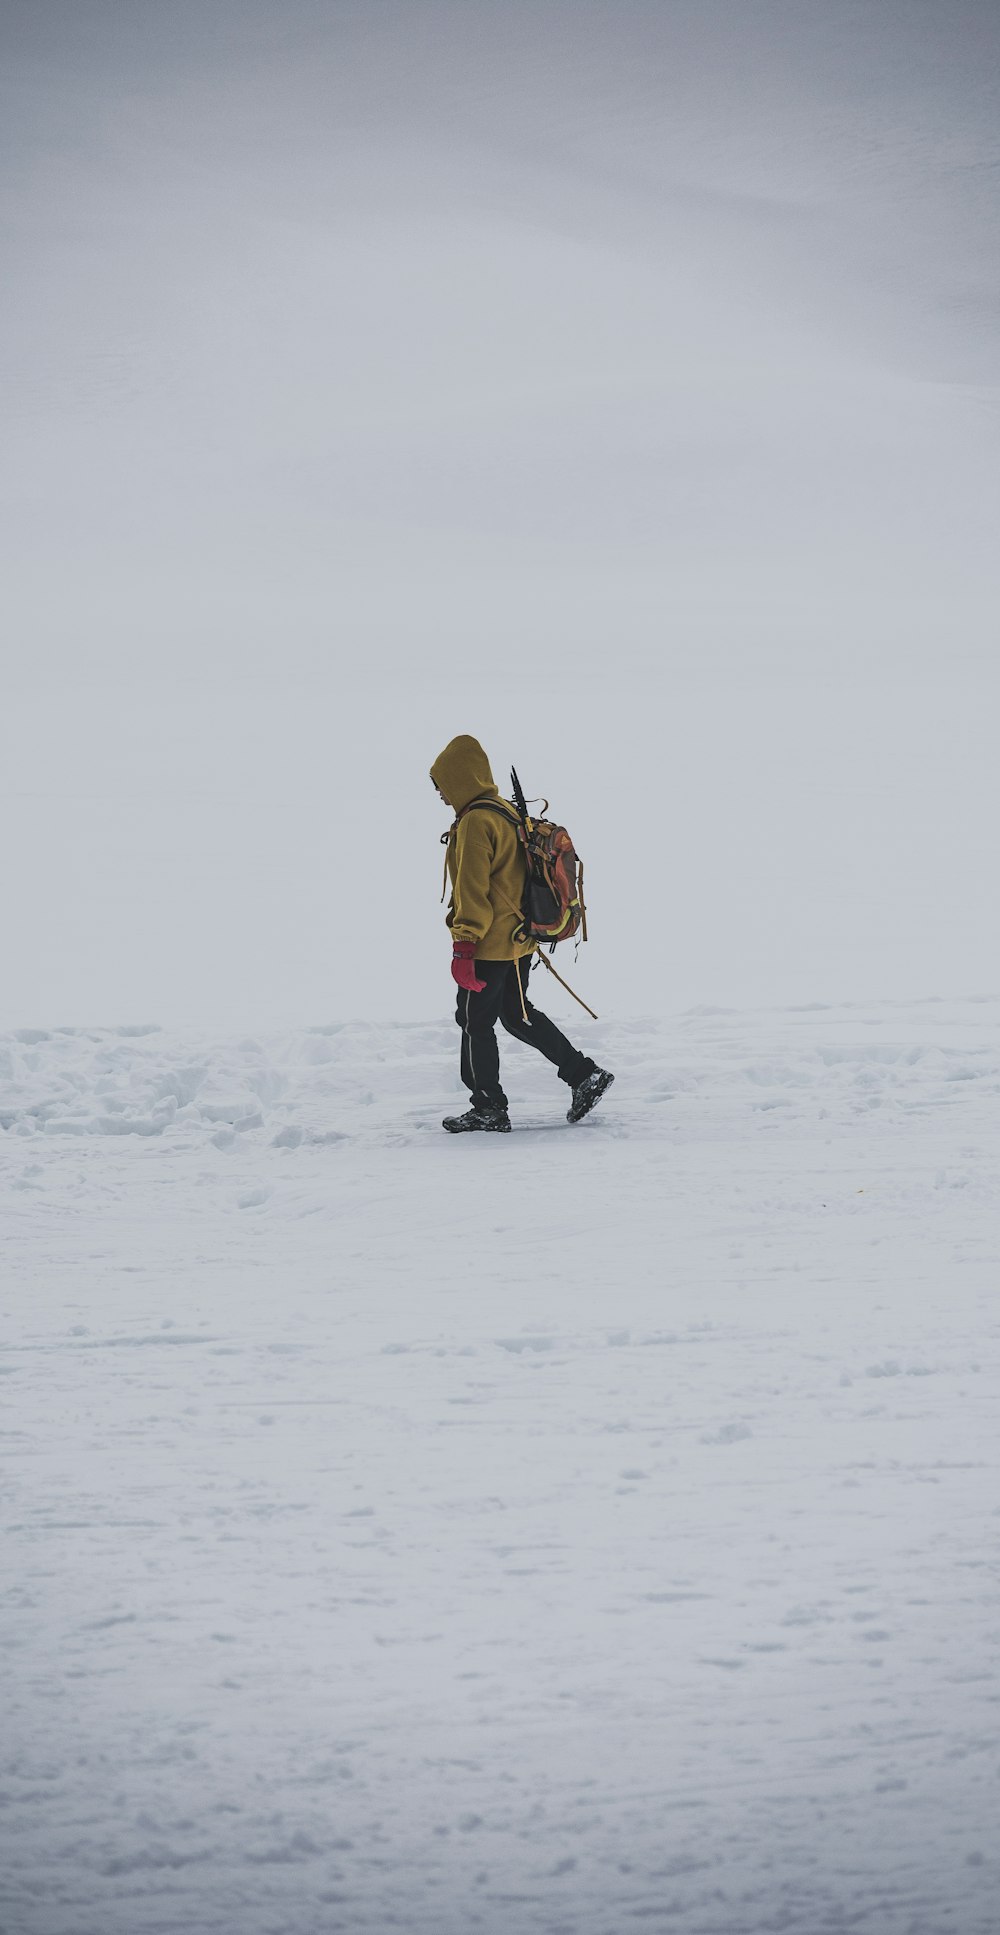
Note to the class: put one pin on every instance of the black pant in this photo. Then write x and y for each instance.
(477, 1016)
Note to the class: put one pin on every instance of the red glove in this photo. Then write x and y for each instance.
(463, 967)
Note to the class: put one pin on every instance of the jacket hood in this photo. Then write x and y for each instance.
(462, 772)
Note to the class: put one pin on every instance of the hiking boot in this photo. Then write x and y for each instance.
(587, 1093)
(493, 1119)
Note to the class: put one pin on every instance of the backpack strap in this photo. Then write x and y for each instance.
(484, 806)
(513, 819)
(489, 806)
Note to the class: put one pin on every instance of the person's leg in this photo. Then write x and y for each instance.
(541, 1033)
(476, 1015)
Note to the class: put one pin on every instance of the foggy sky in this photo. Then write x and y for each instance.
(362, 361)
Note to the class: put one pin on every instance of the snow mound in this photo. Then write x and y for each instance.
(319, 1086)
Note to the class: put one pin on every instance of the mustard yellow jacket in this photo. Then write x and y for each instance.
(486, 865)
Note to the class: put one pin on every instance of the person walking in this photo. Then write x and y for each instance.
(491, 959)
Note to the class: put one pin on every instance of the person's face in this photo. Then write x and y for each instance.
(439, 793)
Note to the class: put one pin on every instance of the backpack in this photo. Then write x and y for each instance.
(553, 909)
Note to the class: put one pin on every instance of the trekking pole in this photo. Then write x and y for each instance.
(565, 984)
(519, 799)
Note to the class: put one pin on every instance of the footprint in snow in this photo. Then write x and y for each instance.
(727, 1434)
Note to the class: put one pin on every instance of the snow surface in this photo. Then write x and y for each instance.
(580, 1530)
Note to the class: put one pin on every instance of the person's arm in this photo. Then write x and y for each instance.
(475, 849)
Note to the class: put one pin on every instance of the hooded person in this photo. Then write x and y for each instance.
(490, 953)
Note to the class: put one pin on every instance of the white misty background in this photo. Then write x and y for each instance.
(616, 383)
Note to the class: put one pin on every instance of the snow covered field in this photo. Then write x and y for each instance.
(580, 1530)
